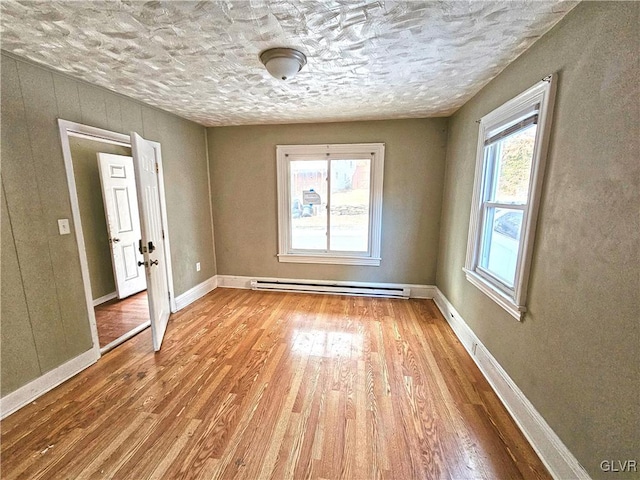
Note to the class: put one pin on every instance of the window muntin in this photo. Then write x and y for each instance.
(330, 203)
(509, 168)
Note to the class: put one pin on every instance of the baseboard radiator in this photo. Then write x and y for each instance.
(331, 288)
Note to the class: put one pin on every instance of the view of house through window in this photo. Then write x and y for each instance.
(331, 200)
(330, 218)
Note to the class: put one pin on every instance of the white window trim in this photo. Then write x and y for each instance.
(375, 151)
(543, 93)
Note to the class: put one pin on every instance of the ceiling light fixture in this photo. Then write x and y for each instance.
(283, 63)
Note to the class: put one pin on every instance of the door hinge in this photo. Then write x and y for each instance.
(163, 234)
(157, 169)
(169, 295)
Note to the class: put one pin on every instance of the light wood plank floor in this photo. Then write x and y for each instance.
(272, 385)
(117, 317)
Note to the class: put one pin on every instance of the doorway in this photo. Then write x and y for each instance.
(111, 230)
(120, 295)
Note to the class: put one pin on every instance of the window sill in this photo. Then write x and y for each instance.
(333, 260)
(516, 311)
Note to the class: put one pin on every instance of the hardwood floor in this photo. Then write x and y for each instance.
(273, 385)
(117, 317)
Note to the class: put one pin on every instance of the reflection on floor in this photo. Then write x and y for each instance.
(117, 317)
(253, 385)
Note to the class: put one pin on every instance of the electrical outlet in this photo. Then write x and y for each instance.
(198, 267)
(63, 226)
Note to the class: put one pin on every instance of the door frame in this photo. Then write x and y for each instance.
(73, 129)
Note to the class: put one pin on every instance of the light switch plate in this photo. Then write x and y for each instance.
(198, 267)
(63, 226)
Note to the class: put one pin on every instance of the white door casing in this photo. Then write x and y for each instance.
(120, 198)
(69, 129)
(146, 165)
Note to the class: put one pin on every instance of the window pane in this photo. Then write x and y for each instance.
(309, 205)
(350, 197)
(500, 243)
(513, 167)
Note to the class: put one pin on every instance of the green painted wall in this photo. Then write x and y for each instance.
(94, 224)
(576, 354)
(44, 314)
(19, 357)
(243, 178)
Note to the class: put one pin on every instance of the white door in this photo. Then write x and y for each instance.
(123, 222)
(145, 155)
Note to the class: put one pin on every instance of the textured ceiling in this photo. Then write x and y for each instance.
(366, 59)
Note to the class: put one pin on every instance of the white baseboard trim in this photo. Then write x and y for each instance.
(551, 450)
(41, 385)
(417, 291)
(105, 298)
(193, 294)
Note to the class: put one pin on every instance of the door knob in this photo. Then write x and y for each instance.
(115, 240)
(142, 263)
(153, 262)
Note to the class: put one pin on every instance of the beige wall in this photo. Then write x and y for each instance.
(44, 315)
(94, 223)
(576, 354)
(243, 171)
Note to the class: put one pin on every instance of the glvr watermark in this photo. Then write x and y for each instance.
(615, 466)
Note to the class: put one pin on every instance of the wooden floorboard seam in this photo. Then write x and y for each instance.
(253, 385)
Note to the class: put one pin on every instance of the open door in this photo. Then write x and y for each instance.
(123, 222)
(145, 155)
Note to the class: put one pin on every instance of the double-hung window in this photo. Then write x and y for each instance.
(330, 203)
(512, 147)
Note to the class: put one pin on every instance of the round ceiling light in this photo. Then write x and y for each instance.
(283, 63)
